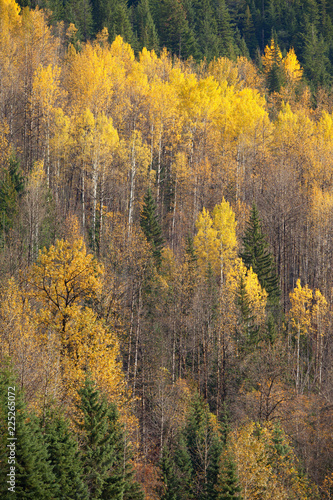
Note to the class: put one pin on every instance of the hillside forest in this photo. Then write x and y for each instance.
(166, 250)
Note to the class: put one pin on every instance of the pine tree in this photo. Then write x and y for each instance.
(11, 188)
(255, 254)
(80, 13)
(169, 476)
(64, 458)
(147, 33)
(184, 468)
(34, 477)
(249, 32)
(204, 448)
(104, 453)
(247, 331)
(224, 30)
(227, 486)
(151, 226)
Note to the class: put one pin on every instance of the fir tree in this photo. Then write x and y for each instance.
(169, 476)
(34, 477)
(255, 254)
(204, 448)
(184, 468)
(104, 453)
(249, 32)
(80, 13)
(247, 330)
(64, 458)
(224, 30)
(227, 487)
(151, 226)
(11, 188)
(147, 33)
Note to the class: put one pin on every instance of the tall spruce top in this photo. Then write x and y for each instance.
(256, 254)
(151, 227)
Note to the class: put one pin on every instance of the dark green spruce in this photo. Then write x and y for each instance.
(104, 451)
(256, 254)
(151, 227)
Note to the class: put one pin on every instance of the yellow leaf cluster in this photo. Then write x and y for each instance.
(215, 241)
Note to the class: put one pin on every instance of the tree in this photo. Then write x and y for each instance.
(63, 281)
(147, 33)
(204, 448)
(227, 485)
(255, 254)
(104, 449)
(34, 477)
(151, 226)
(169, 476)
(11, 189)
(225, 31)
(64, 457)
(300, 315)
(80, 13)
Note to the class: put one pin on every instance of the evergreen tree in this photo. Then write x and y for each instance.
(205, 29)
(34, 477)
(11, 188)
(104, 453)
(227, 486)
(225, 30)
(151, 226)
(169, 476)
(147, 33)
(247, 331)
(204, 448)
(80, 13)
(64, 458)
(255, 254)
(115, 16)
(173, 28)
(184, 469)
(315, 57)
(249, 32)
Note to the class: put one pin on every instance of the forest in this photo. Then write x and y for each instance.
(166, 250)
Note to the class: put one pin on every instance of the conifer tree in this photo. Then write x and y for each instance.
(184, 467)
(64, 458)
(80, 13)
(11, 188)
(256, 254)
(224, 30)
(151, 226)
(104, 454)
(248, 332)
(204, 448)
(169, 476)
(227, 486)
(34, 477)
(147, 33)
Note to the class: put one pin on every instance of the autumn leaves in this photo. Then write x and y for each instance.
(49, 319)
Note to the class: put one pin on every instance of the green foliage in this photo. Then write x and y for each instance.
(80, 13)
(34, 477)
(151, 226)
(147, 32)
(247, 330)
(227, 485)
(256, 254)
(11, 188)
(169, 476)
(104, 453)
(64, 458)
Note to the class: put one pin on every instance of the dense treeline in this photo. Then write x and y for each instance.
(210, 28)
(165, 226)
